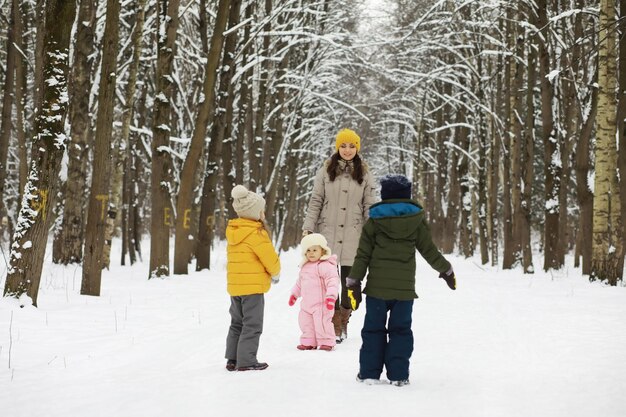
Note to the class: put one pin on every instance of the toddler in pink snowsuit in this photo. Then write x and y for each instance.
(318, 285)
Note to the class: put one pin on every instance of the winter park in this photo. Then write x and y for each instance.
(310, 207)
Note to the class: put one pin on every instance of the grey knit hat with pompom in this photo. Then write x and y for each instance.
(247, 204)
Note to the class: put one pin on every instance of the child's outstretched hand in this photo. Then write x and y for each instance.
(330, 303)
(292, 300)
(449, 277)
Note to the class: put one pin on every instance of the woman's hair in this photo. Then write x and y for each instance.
(357, 167)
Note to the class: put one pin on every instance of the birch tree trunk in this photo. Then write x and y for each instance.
(182, 248)
(621, 119)
(29, 240)
(68, 241)
(97, 210)
(607, 228)
(160, 184)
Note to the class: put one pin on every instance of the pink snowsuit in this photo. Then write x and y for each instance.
(317, 281)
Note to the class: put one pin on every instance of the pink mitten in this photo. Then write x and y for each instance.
(292, 300)
(330, 303)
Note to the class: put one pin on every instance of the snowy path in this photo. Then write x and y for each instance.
(503, 344)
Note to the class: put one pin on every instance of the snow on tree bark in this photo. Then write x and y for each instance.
(29, 239)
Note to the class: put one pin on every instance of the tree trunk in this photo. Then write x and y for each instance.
(68, 241)
(607, 227)
(97, 210)
(29, 240)
(491, 171)
(621, 120)
(135, 187)
(20, 95)
(40, 41)
(279, 143)
(552, 156)
(465, 190)
(244, 114)
(454, 191)
(160, 185)
(482, 208)
(527, 173)
(206, 229)
(225, 122)
(120, 142)
(518, 143)
(262, 142)
(182, 248)
(6, 117)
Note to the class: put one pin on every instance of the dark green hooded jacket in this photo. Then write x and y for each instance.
(387, 249)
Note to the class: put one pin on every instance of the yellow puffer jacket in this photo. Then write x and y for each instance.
(252, 260)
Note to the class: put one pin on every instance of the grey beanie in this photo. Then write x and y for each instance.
(246, 203)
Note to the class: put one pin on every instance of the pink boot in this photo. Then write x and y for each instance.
(326, 348)
(305, 347)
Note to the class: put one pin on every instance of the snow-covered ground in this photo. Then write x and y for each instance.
(503, 344)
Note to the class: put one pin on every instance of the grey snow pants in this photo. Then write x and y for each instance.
(246, 326)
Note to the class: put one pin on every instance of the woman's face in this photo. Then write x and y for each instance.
(347, 151)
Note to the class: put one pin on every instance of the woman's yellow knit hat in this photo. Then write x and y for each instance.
(348, 136)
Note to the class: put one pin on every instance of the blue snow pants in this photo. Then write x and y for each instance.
(386, 343)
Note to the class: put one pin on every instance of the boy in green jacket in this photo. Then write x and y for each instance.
(396, 227)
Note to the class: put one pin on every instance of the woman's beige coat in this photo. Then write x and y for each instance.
(338, 209)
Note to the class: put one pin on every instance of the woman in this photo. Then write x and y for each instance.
(342, 195)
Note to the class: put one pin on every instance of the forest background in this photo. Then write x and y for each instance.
(134, 120)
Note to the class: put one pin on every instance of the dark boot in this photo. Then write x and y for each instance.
(337, 326)
(345, 318)
(256, 367)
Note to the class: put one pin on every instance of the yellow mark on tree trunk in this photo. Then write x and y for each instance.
(103, 198)
(40, 203)
(167, 213)
(210, 220)
(186, 218)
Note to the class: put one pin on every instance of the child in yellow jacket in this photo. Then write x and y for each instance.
(253, 265)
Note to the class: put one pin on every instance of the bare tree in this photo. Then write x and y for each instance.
(6, 119)
(221, 121)
(182, 248)
(68, 240)
(97, 212)
(29, 240)
(162, 217)
(121, 145)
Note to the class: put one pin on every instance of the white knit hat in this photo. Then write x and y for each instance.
(314, 239)
(246, 203)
